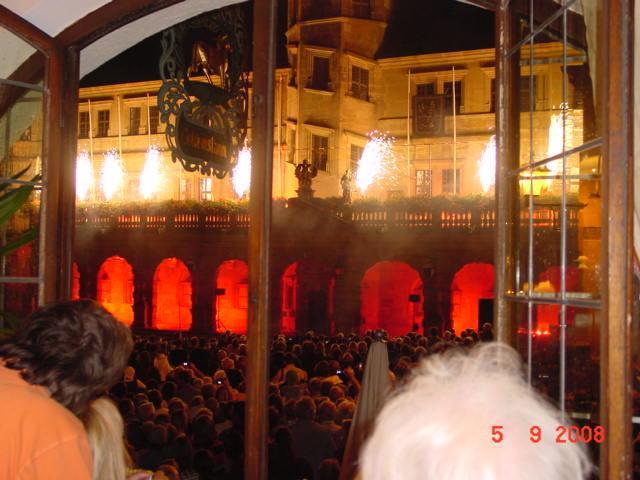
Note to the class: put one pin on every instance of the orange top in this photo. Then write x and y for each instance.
(39, 438)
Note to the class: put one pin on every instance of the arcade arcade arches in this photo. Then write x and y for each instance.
(231, 297)
(115, 288)
(391, 298)
(171, 296)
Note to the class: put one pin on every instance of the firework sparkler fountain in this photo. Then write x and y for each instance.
(241, 175)
(377, 163)
(487, 165)
(84, 176)
(112, 178)
(151, 177)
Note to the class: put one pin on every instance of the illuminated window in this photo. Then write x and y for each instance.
(154, 119)
(360, 82)
(320, 75)
(206, 188)
(423, 183)
(134, 120)
(447, 181)
(527, 94)
(291, 146)
(103, 123)
(426, 89)
(83, 124)
(319, 151)
(185, 189)
(448, 97)
(356, 155)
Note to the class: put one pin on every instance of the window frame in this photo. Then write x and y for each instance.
(138, 120)
(81, 132)
(101, 131)
(614, 79)
(313, 151)
(358, 88)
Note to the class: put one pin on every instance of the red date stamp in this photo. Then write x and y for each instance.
(562, 434)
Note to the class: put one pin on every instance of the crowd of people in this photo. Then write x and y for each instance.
(182, 399)
(90, 401)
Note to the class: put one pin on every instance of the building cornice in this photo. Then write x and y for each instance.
(142, 88)
(485, 55)
(323, 21)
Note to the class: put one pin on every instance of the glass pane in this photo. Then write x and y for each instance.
(540, 229)
(21, 132)
(16, 53)
(18, 238)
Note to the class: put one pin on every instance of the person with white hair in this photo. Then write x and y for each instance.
(442, 425)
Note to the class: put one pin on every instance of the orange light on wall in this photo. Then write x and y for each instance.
(533, 184)
(75, 282)
(171, 296)
(289, 298)
(231, 297)
(115, 288)
(385, 298)
(471, 283)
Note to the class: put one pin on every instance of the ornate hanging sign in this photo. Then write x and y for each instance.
(203, 100)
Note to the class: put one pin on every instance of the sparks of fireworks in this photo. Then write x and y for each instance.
(241, 175)
(487, 165)
(151, 177)
(376, 161)
(112, 178)
(555, 142)
(84, 176)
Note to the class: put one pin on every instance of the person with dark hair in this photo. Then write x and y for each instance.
(65, 356)
(311, 441)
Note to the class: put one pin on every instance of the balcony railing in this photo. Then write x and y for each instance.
(470, 220)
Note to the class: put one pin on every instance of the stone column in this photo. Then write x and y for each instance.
(202, 299)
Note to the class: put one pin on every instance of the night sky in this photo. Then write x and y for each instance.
(415, 27)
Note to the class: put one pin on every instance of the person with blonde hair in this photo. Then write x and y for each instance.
(470, 416)
(105, 430)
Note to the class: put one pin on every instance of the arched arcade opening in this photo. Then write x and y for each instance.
(171, 296)
(471, 296)
(231, 297)
(391, 298)
(115, 288)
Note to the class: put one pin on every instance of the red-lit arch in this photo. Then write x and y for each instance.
(231, 297)
(471, 283)
(75, 281)
(289, 287)
(115, 288)
(171, 296)
(385, 298)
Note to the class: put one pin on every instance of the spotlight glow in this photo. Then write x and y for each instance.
(554, 147)
(487, 165)
(112, 178)
(377, 160)
(241, 175)
(151, 177)
(84, 176)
